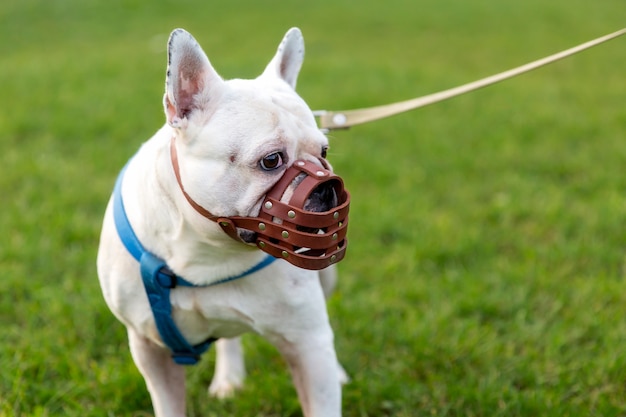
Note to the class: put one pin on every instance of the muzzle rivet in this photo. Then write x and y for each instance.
(300, 163)
(291, 214)
(333, 258)
(261, 245)
(261, 226)
(285, 254)
(285, 234)
(269, 205)
(336, 215)
(334, 236)
(320, 173)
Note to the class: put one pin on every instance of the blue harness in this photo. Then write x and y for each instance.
(158, 280)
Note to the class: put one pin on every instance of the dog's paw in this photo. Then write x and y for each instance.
(344, 378)
(224, 388)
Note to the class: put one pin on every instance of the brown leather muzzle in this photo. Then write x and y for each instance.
(307, 239)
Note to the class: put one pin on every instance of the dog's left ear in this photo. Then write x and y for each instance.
(287, 62)
(191, 80)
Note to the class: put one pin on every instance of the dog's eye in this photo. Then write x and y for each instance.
(324, 151)
(272, 161)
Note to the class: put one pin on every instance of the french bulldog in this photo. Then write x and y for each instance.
(224, 145)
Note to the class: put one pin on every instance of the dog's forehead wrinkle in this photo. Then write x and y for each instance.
(269, 108)
(277, 94)
(262, 131)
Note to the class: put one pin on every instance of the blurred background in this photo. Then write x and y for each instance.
(486, 266)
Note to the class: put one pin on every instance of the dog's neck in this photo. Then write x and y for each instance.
(169, 233)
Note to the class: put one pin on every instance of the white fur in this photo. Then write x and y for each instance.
(222, 130)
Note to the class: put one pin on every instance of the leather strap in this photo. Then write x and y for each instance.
(330, 120)
(196, 206)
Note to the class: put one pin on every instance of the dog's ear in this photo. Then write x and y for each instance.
(287, 62)
(190, 80)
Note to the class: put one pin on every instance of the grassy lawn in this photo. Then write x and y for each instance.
(487, 261)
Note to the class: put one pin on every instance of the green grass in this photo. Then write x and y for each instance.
(487, 261)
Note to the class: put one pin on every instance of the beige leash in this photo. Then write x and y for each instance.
(330, 120)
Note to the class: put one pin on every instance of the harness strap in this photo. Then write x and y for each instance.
(159, 280)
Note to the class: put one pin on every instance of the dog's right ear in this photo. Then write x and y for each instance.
(190, 80)
(287, 62)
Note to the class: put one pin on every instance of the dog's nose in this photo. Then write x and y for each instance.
(323, 198)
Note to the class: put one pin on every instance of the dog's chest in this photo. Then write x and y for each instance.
(211, 312)
(228, 310)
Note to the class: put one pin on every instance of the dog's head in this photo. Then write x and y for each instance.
(248, 154)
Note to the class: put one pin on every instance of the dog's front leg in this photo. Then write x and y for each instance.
(230, 369)
(313, 364)
(165, 379)
(328, 279)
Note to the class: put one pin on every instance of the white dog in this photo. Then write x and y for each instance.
(172, 275)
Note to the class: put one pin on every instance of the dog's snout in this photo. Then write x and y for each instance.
(323, 198)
